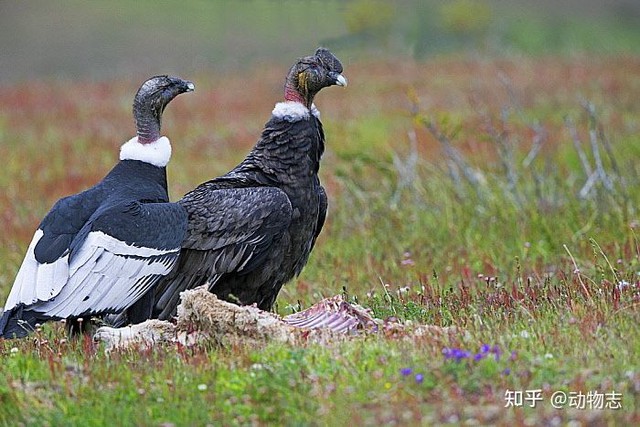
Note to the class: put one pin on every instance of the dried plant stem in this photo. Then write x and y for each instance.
(586, 166)
(406, 169)
(593, 138)
(539, 137)
(454, 155)
(505, 150)
(577, 272)
(388, 295)
(613, 271)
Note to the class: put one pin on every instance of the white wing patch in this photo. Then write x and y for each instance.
(157, 153)
(98, 239)
(37, 282)
(106, 275)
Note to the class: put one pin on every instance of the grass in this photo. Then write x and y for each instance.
(458, 197)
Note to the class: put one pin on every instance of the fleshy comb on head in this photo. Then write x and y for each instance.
(328, 59)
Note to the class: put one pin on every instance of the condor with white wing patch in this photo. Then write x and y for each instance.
(97, 252)
(104, 273)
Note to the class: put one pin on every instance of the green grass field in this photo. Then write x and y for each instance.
(495, 195)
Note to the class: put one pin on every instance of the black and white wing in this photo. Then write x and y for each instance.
(115, 258)
(45, 268)
(231, 230)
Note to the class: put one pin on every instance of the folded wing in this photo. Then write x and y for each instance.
(231, 230)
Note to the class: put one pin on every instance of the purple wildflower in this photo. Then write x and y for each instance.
(496, 351)
(455, 353)
(405, 371)
(506, 371)
(458, 354)
(419, 378)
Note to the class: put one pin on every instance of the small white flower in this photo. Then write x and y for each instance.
(548, 356)
(202, 387)
(524, 334)
(14, 350)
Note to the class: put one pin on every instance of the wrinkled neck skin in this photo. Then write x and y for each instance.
(147, 124)
(291, 93)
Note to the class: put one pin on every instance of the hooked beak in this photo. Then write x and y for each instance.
(338, 79)
(184, 85)
(190, 86)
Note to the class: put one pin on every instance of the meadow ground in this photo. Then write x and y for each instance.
(495, 195)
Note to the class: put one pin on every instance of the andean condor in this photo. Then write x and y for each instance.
(251, 230)
(99, 251)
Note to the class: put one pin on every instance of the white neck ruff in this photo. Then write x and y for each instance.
(156, 153)
(292, 111)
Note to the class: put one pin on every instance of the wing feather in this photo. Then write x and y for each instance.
(230, 230)
(110, 268)
(36, 281)
(109, 280)
(23, 289)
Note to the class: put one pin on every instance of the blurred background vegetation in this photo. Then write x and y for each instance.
(96, 39)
